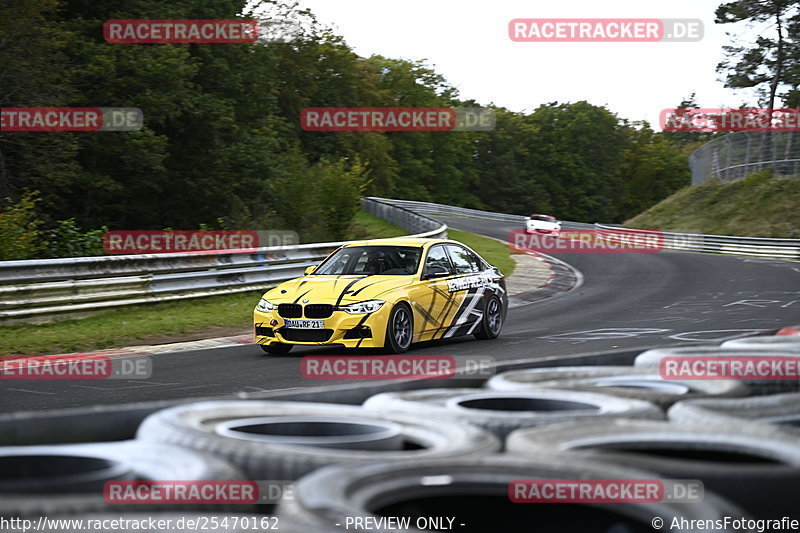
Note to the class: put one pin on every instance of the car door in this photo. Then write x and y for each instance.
(432, 302)
(467, 287)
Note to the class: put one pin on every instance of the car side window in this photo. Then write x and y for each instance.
(464, 261)
(437, 256)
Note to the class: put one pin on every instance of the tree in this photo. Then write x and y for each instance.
(771, 61)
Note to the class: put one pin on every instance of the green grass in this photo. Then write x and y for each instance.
(132, 325)
(211, 316)
(756, 206)
(366, 226)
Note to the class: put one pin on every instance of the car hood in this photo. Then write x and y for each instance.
(336, 289)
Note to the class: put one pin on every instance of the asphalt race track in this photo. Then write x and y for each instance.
(625, 301)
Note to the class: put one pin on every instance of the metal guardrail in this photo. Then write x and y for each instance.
(37, 290)
(717, 244)
(430, 208)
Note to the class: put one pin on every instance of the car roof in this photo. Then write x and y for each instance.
(400, 241)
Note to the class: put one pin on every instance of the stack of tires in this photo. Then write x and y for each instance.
(446, 458)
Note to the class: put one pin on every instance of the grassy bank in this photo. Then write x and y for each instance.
(756, 206)
(198, 318)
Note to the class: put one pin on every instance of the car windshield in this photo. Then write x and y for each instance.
(543, 218)
(372, 260)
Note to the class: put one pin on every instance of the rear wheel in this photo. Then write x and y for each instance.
(399, 330)
(492, 321)
(276, 348)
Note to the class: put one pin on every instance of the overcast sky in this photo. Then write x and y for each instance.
(467, 42)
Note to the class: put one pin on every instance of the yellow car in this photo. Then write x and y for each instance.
(385, 294)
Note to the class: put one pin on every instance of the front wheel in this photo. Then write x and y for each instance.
(492, 320)
(277, 348)
(399, 330)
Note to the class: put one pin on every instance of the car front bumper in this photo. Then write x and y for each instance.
(341, 328)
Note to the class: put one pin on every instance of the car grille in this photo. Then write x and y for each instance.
(290, 310)
(318, 310)
(306, 335)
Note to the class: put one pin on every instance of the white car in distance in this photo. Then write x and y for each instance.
(543, 224)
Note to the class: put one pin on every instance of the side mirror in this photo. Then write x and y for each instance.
(310, 270)
(435, 271)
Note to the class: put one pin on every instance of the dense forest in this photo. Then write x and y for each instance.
(222, 145)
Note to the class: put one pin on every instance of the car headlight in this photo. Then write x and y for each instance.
(265, 306)
(362, 308)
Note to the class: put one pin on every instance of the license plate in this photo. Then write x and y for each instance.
(305, 324)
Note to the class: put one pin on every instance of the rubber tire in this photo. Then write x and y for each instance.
(390, 344)
(652, 358)
(780, 410)
(766, 490)
(144, 460)
(332, 494)
(766, 342)
(277, 348)
(192, 426)
(439, 403)
(590, 378)
(484, 332)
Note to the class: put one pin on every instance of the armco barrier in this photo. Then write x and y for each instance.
(38, 290)
(718, 244)
(430, 208)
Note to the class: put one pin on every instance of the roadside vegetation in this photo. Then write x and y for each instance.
(756, 206)
(213, 316)
(222, 147)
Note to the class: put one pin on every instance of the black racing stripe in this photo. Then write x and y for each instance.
(361, 323)
(341, 296)
(451, 301)
(298, 298)
(364, 287)
(426, 315)
(465, 304)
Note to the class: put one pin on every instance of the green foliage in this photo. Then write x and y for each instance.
(322, 198)
(19, 229)
(770, 62)
(222, 145)
(67, 240)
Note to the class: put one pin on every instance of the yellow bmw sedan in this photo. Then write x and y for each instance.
(386, 293)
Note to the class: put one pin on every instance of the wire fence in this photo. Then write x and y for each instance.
(737, 155)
